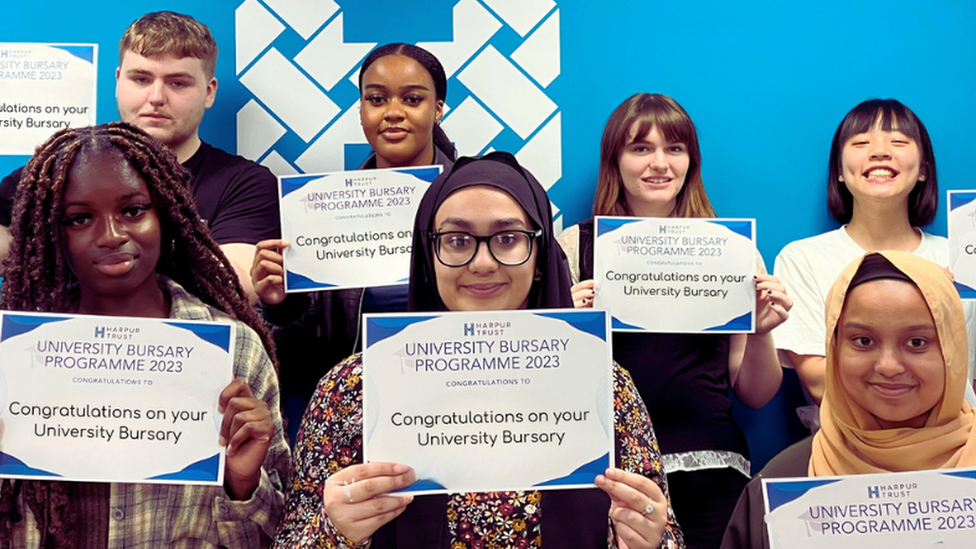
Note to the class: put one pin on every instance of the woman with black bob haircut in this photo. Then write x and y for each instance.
(882, 186)
(402, 92)
(338, 501)
(104, 224)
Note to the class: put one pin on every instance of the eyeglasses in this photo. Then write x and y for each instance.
(458, 248)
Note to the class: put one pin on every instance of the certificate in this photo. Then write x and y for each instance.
(488, 401)
(350, 229)
(678, 275)
(112, 399)
(962, 241)
(44, 88)
(914, 509)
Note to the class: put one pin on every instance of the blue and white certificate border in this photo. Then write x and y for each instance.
(744, 227)
(287, 184)
(378, 327)
(207, 471)
(957, 200)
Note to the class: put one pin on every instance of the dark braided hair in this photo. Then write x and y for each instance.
(39, 279)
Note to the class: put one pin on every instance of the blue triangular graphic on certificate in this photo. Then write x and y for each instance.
(604, 226)
(781, 493)
(617, 325)
(218, 335)
(300, 282)
(203, 470)
(9, 465)
(85, 53)
(743, 323)
(743, 227)
(957, 200)
(428, 174)
(384, 327)
(965, 292)
(424, 484)
(15, 325)
(594, 322)
(292, 184)
(585, 474)
(970, 473)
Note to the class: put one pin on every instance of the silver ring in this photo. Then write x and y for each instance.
(648, 509)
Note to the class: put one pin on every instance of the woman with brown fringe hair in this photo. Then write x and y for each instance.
(104, 224)
(650, 166)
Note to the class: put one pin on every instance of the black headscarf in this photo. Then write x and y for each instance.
(502, 171)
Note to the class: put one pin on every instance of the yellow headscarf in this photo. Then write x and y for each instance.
(850, 440)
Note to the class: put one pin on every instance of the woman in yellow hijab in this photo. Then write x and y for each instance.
(896, 374)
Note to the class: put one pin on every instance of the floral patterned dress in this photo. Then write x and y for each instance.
(330, 439)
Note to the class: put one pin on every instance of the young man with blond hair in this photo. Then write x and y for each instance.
(164, 83)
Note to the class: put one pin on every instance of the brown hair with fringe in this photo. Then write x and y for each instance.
(39, 279)
(648, 110)
(161, 33)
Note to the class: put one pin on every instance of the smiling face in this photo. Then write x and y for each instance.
(166, 97)
(653, 172)
(889, 358)
(483, 284)
(111, 230)
(880, 165)
(398, 111)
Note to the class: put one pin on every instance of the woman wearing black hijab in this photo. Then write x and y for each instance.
(336, 500)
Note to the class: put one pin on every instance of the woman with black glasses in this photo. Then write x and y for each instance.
(338, 501)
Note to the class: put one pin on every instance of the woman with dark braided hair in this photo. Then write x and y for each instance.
(103, 223)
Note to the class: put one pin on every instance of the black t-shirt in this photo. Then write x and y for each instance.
(683, 379)
(238, 198)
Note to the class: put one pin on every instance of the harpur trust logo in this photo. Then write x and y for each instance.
(120, 333)
(300, 116)
(481, 329)
(673, 230)
(891, 491)
(360, 181)
(13, 54)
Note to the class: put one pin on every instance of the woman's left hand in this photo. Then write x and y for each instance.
(772, 304)
(638, 508)
(246, 431)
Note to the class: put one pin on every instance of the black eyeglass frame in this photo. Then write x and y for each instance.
(435, 242)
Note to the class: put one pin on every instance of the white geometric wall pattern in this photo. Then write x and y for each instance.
(298, 121)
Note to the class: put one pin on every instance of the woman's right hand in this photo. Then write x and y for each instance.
(355, 500)
(583, 294)
(268, 271)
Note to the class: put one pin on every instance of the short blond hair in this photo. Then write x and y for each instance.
(163, 33)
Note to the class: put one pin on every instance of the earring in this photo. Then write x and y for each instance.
(840, 178)
(538, 275)
(921, 178)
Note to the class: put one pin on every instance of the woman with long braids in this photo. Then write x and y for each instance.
(104, 224)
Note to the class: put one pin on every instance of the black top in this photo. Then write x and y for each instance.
(237, 198)
(683, 379)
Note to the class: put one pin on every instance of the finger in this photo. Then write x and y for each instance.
(373, 469)
(634, 529)
(378, 511)
(252, 426)
(630, 489)
(232, 398)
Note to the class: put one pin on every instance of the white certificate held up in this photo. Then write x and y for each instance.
(885, 511)
(112, 399)
(488, 401)
(962, 241)
(676, 275)
(350, 229)
(44, 88)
